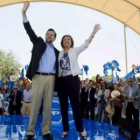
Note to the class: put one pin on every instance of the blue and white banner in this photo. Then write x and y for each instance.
(129, 75)
(113, 65)
(56, 113)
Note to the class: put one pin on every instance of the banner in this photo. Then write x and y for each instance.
(56, 113)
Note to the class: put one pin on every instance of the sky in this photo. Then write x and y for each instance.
(76, 21)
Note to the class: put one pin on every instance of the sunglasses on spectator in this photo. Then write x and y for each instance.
(130, 81)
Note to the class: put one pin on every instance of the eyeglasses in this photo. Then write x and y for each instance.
(130, 81)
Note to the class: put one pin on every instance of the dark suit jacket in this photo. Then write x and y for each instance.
(39, 47)
(18, 99)
(92, 99)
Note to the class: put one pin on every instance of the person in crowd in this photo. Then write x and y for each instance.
(116, 100)
(98, 79)
(22, 87)
(15, 101)
(1, 102)
(90, 101)
(6, 95)
(122, 85)
(69, 82)
(103, 95)
(83, 100)
(5, 85)
(86, 81)
(43, 71)
(25, 110)
(6, 100)
(132, 102)
(83, 83)
(96, 102)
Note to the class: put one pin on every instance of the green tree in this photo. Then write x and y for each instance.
(8, 63)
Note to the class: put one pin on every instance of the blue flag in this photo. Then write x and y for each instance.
(10, 85)
(105, 68)
(2, 81)
(134, 78)
(129, 75)
(114, 65)
(117, 77)
(105, 72)
(86, 69)
(138, 69)
(26, 67)
(112, 75)
(21, 74)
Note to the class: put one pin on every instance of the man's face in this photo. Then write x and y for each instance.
(116, 87)
(130, 82)
(15, 90)
(97, 89)
(28, 86)
(50, 37)
(90, 84)
(22, 86)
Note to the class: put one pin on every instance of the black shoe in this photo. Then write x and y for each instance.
(29, 137)
(64, 135)
(48, 137)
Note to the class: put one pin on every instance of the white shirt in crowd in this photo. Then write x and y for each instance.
(27, 95)
(1, 99)
(130, 91)
(89, 95)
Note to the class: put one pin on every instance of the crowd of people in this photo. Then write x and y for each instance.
(17, 101)
(94, 96)
(124, 98)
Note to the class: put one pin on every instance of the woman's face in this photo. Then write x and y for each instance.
(103, 86)
(116, 87)
(97, 89)
(67, 42)
(3, 91)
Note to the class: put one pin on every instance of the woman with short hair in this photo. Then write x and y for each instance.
(69, 82)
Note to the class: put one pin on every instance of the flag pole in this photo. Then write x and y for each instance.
(125, 43)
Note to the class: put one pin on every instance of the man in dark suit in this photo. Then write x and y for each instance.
(15, 101)
(43, 70)
(90, 101)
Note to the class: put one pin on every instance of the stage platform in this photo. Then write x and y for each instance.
(13, 127)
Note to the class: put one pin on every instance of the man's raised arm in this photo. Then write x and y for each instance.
(27, 25)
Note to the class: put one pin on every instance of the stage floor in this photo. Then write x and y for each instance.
(13, 127)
